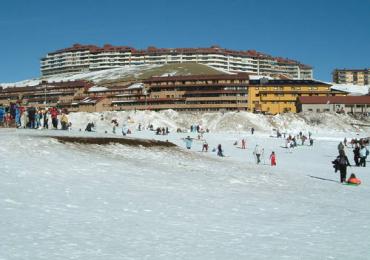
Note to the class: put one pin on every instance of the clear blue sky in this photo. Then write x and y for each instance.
(325, 34)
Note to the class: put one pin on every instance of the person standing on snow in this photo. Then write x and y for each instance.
(243, 143)
(363, 154)
(356, 154)
(341, 163)
(219, 151)
(340, 146)
(205, 146)
(252, 130)
(188, 142)
(273, 159)
(258, 151)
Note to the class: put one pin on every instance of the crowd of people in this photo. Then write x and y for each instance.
(34, 118)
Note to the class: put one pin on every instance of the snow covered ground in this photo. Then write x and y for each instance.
(75, 201)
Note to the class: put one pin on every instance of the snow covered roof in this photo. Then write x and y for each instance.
(136, 86)
(352, 89)
(97, 89)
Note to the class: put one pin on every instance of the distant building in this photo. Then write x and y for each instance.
(82, 58)
(339, 104)
(351, 76)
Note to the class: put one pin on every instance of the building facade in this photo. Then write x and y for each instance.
(186, 93)
(279, 96)
(338, 104)
(221, 92)
(351, 76)
(82, 58)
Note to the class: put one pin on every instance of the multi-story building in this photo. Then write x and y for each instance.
(279, 96)
(352, 76)
(201, 92)
(80, 58)
(222, 92)
(62, 94)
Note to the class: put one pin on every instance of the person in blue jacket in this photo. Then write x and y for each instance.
(2, 114)
(188, 142)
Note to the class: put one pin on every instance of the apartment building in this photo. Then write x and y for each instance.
(200, 93)
(351, 76)
(279, 96)
(81, 58)
(61, 94)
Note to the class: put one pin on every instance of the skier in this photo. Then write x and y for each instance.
(273, 159)
(341, 163)
(188, 142)
(252, 130)
(345, 141)
(257, 152)
(219, 151)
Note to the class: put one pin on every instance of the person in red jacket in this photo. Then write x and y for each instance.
(273, 159)
(54, 117)
(354, 180)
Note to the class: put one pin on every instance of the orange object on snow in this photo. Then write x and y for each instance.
(354, 181)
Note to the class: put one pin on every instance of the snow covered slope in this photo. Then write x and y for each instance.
(95, 76)
(124, 73)
(74, 201)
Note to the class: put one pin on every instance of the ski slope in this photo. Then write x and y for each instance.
(75, 201)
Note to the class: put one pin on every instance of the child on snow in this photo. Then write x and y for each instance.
(273, 159)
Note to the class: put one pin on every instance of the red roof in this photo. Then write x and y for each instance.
(350, 100)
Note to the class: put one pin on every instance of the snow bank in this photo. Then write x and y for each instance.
(325, 123)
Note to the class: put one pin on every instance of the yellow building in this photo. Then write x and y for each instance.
(351, 76)
(280, 96)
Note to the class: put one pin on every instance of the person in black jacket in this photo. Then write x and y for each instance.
(341, 163)
(356, 154)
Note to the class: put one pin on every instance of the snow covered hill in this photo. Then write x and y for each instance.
(123, 74)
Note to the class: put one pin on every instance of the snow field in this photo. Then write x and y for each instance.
(74, 201)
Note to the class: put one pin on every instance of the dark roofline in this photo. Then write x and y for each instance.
(287, 82)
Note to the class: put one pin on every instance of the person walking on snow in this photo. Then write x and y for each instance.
(341, 163)
(258, 151)
(273, 159)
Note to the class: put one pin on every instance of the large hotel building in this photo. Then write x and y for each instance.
(81, 58)
(352, 76)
